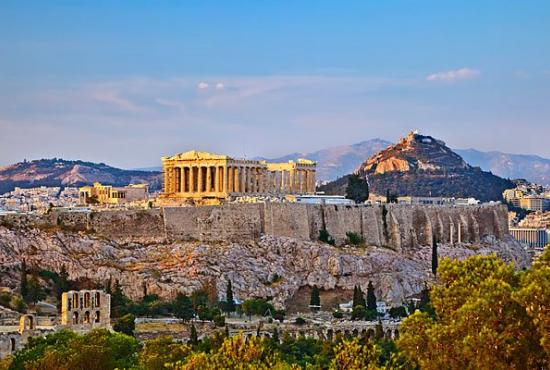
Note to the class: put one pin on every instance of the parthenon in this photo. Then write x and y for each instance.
(198, 176)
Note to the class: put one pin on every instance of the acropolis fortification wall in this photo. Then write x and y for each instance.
(391, 225)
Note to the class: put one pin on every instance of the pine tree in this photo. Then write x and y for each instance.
(434, 256)
(63, 284)
(24, 287)
(229, 301)
(315, 299)
(371, 297)
(35, 292)
(357, 189)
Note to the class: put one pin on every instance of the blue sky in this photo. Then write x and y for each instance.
(125, 82)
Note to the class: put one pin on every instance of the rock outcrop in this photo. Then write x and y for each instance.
(168, 267)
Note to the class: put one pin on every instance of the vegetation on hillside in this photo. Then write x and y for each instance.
(481, 314)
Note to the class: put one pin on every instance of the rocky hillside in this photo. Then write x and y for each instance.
(421, 165)
(59, 172)
(168, 267)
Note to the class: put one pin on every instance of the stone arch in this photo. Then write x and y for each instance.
(370, 333)
(355, 332)
(87, 317)
(75, 318)
(87, 300)
(330, 334)
(13, 344)
(396, 333)
(97, 299)
(26, 322)
(97, 317)
(388, 334)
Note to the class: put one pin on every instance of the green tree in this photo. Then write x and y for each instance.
(24, 283)
(229, 301)
(183, 307)
(371, 297)
(194, 337)
(358, 297)
(434, 256)
(35, 292)
(315, 299)
(480, 321)
(357, 188)
(352, 355)
(119, 301)
(126, 324)
(159, 352)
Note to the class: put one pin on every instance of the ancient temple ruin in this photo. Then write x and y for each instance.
(84, 310)
(202, 176)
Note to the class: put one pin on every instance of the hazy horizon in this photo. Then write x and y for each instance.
(126, 83)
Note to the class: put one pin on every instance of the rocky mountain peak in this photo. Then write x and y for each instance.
(412, 153)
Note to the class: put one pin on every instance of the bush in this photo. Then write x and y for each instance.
(325, 237)
(396, 312)
(219, 320)
(126, 324)
(338, 315)
(354, 239)
(299, 321)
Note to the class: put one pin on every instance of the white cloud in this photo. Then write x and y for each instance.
(202, 85)
(454, 75)
(220, 86)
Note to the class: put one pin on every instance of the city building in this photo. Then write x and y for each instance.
(319, 199)
(437, 201)
(106, 194)
(532, 237)
(535, 203)
(202, 177)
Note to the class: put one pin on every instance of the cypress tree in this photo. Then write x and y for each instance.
(229, 301)
(315, 300)
(24, 284)
(371, 297)
(194, 340)
(434, 257)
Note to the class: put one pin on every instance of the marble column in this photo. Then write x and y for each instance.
(182, 179)
(225, 172)
(208, 186)
(191, 179)
(237, 180)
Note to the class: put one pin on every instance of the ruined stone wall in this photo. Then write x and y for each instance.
(390, 225)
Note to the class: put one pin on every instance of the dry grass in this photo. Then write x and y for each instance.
(148, 327)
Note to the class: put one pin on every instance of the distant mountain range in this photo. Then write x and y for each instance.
(421, 165)
(335, 162)
(332, 163)
(59, 172)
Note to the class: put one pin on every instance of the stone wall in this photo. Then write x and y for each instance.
(391, 225)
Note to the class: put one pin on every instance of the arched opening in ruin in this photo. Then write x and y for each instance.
(97, 317)
(97, 299)
(355, 332)
(396, 334)
(75, 300)
(12, 344)
(75, 318)
(86, 300)
(87, 317)
(330, 334)
(370, 333)
(31, 322)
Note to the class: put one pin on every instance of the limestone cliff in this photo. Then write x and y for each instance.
(171, 266)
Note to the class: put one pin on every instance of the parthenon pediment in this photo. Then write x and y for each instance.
(194, 155)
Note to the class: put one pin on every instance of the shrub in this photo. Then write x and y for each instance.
(338, 315)
(299, 321)
(126, 324)
(354, 239)
(325, 237)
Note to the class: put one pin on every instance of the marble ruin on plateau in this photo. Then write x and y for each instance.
(201, 177)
